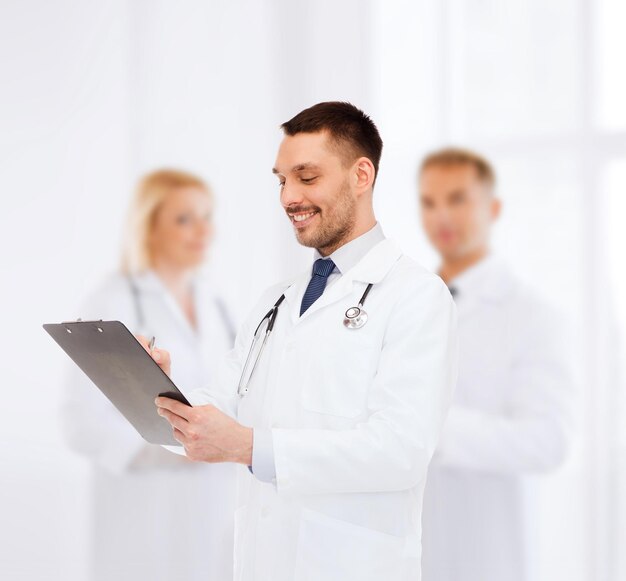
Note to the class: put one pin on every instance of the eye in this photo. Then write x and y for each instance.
(308, 180)
(183, 219)
(281, 184)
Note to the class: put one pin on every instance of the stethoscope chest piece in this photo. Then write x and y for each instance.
(355, 318)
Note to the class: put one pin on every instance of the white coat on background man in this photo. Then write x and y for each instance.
(339, 424)
(155, 515)
(509, 419)
(510, 415)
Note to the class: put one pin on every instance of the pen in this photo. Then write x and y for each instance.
(151, 345)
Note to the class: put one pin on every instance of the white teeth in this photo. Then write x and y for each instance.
(301, 217)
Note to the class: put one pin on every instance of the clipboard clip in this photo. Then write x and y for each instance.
(79, 320)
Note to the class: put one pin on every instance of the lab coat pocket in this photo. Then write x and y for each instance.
(340, 375)
(331, 549)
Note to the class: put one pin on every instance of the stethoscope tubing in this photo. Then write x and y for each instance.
(271, 318)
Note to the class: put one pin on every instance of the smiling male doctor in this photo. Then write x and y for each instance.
(338, 424)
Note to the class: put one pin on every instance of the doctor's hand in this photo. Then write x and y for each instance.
(161, 356)
(207, 434)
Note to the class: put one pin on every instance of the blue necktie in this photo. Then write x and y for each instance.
(322, 268)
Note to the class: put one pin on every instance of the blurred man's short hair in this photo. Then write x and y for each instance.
(455, 156)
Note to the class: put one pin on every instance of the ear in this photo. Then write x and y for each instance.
(496, 208)
(364, 174)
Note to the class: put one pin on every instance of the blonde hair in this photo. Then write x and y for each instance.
(149, 196)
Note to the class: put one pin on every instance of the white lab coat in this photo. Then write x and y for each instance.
(156, 516)
(510, 417)
(355, 416)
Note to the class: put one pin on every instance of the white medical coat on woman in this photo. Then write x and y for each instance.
(156, 516)
(510, 417)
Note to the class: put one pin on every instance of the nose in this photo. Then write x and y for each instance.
(289, 195)
(440, 213)
(203, 228)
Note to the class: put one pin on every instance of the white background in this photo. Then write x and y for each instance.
(93, 94)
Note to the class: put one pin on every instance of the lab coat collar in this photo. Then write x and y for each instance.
(488, 280)
(372, 268)
(149, 283)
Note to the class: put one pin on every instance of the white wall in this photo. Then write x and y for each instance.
(65, 172)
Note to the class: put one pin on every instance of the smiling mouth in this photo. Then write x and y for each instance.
(301, 219)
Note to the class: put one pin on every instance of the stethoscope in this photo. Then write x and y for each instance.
(354, 318)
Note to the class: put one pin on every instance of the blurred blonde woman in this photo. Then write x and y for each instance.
(156, 515)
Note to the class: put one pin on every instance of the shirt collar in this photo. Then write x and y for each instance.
(349, 255)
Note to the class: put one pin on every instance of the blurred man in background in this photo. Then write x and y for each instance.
(511, 413)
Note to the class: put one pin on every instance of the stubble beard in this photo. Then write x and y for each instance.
(335, 227)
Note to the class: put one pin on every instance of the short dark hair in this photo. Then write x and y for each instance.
(347, 126)
(450, 156)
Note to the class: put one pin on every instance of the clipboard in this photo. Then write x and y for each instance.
(123, 370)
